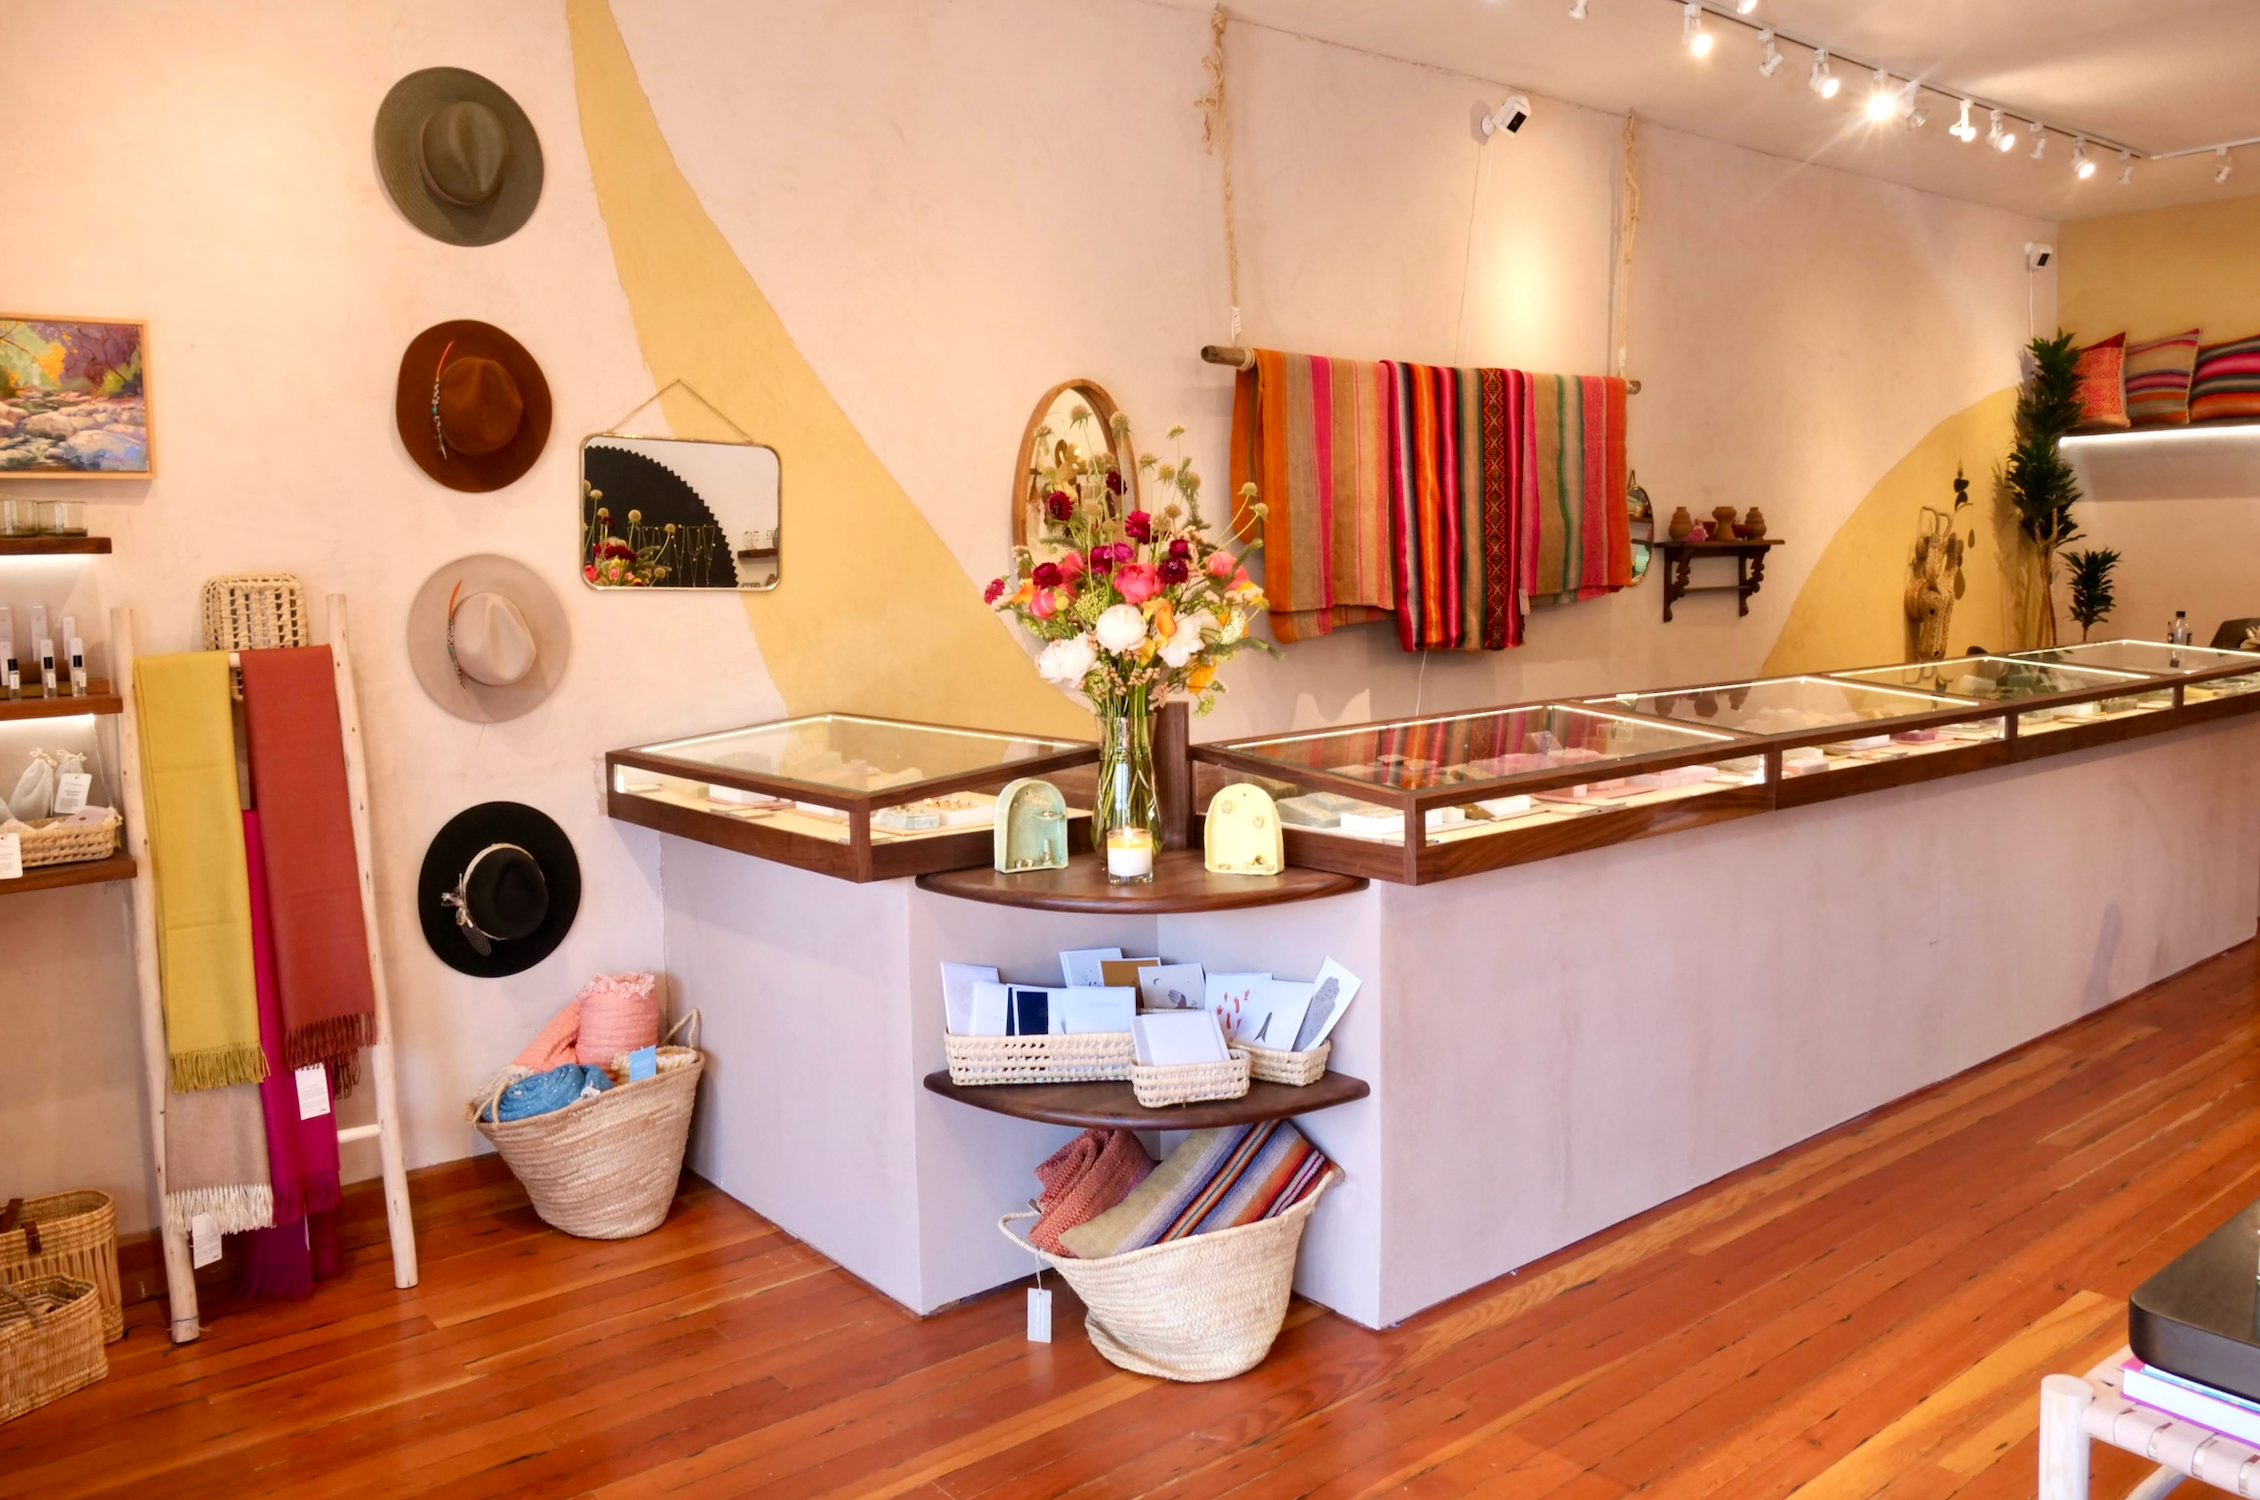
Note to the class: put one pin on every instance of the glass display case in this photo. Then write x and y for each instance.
(1421, 799)
(2050, 698)
(2205, 683)
(1832, 737)
(859, 798)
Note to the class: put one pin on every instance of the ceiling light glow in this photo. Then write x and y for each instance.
(1692, 31)
(1744, 7)
(2083, 167)
(1823, 80)
(1883, 101)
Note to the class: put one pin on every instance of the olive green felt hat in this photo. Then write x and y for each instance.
(458, 156)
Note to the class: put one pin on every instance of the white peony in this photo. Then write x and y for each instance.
(1234, 628)
(1066, 662)
(1121, 628)
(1185, 643)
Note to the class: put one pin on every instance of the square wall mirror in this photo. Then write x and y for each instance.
(679, 513)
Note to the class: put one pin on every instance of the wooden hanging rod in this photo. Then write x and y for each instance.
(1244, 359)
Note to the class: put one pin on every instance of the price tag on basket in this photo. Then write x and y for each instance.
(1039, 1315)
(71, 789)
(11, 856)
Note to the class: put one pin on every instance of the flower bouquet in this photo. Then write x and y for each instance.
(1133, 606)
(638, 560)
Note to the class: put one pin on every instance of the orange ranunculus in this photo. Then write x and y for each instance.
(1025, 592)
(1163, 617)
(1201, 676)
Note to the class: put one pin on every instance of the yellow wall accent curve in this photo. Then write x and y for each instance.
(2159, 272)
(1851, 611)
(875, 614)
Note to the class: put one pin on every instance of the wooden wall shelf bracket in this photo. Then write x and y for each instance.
(1679, 565)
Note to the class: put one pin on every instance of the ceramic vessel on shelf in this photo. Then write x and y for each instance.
(1722, 522)
(1682, 524)
(1754, 524)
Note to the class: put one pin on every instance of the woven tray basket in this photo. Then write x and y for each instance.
(255, 612)
(1205, 1307)
(1085, 1057)
(1190, 1083)
(53, 841)
(1296, 1069)
(603, 1168)
(50, 1342)
(66, 1234)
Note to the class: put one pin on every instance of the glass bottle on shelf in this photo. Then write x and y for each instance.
(1126, 813)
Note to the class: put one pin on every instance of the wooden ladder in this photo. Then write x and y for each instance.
(180, 1275)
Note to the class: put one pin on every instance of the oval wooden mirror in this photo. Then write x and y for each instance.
(1069, 432)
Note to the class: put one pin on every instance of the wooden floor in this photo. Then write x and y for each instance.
(1867, 1314)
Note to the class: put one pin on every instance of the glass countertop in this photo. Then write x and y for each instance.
(2154, 658)
(1488, 745)
(1993, 679)
(841, 752)
(1782, 705)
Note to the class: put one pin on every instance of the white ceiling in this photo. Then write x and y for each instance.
(2156, 75)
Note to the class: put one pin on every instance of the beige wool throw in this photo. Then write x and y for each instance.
(216, 1159)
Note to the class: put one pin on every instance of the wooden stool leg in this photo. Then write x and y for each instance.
(2160, 1482)
(2063, 1442)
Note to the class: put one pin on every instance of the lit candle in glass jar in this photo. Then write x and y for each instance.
(1129, 854)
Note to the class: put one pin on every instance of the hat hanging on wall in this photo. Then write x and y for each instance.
(499, 889)
(458, 156)
(487, 638)
(472, 405)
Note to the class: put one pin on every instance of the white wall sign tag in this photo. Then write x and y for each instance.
(203, 1240)
(1039, 1315)
(11, 856)
(70, 791)
(313, 1091)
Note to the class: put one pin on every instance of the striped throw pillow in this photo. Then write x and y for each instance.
(2157, 379)
(2226, 382)
(2103, 397)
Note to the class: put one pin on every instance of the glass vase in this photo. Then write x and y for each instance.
(1126, 814)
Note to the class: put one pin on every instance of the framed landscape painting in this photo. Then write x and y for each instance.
(74, 399)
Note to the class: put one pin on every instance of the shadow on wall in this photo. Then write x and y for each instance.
(2097, 993)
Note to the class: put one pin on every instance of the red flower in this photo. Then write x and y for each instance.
(616, 548)
(1102, 559)
(989, 594)
(1123, 552)
(1059, 505)
(1114, 481)
(1181, 548)
(1138, 526)
(1046, 575)
(1175, 570)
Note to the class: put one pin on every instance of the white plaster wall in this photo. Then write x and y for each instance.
(952, 205)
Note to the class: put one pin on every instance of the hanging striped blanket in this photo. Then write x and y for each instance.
(1453, 498)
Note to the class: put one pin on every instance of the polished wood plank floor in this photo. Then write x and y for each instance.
(1866, 1314)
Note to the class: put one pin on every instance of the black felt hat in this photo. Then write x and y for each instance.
(499, 889)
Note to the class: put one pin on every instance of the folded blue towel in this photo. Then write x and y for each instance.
(548, 1091)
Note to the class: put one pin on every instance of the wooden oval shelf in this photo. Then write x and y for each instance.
(1112, 1105)
(1180, 883)
(98, 700)
(85, 872)
(51, 546)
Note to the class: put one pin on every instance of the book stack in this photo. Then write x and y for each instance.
(2177, 1396)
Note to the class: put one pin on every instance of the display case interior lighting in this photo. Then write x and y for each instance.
(2244, 431)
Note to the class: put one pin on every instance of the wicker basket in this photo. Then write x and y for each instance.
(1190, 1083)
(255, 612)
(50, 1342)
(1296, 1069)
(57, 841)
(66, 1234)
(603, 1168)
(1083, 1057)
(1205, 1307)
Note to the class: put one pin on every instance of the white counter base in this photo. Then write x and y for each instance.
(1552, 1047)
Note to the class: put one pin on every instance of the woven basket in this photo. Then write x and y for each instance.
(604, 1168)
(1190, 1083)
(1084, 1057)
(1296, 1069)
(255, 612)
(66, 1234)
(1205, 1307)
(56, 841)
(50, 1342)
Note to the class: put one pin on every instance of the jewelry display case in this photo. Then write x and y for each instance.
(1416, 800)
(2058, 707)
(1829, 737)
(2206, 683)
(853, 797)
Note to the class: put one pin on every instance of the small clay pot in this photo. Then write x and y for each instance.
(1681, 524)
(1722, 521)
(1754, 524)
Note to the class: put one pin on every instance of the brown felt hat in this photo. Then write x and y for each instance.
(458, 156)
(472, 405)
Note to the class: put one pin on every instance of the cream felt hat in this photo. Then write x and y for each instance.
(487, 638)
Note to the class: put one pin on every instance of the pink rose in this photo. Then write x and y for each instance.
(1219, 564)
(1137, 582)
(1042, 606)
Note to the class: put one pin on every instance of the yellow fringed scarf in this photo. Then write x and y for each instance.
(196, 851)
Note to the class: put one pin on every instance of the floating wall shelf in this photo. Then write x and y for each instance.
(51, 546)
(98, 700)
(2204, 461)
(1110, 1106)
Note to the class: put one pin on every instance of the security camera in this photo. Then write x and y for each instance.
(2039, 257)
(1510, 117)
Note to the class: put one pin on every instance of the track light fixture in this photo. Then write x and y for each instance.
(2227, 166)
(1883, 102)
(2039, 139)
(1744, 7)
(1962, 130)
(1911, 105)
(1770, 63)
(1822, 80)
(1691, 29)
(1996, 137)
(2126, 169)
(2083, 167)
(1577, 10)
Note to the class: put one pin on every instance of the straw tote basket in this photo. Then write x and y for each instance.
(66, 1234)
(59, 841)
(50, 1342)
(1205, 1307)
(603, 1168)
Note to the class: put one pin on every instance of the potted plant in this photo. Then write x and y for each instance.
(2092, 585)
(2038, 480)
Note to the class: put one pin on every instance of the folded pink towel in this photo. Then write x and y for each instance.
(619, 1013)
(555, 1046)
